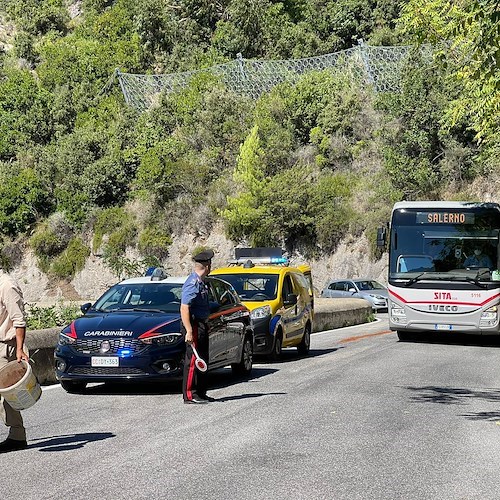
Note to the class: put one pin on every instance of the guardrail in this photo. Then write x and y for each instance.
(328, 315)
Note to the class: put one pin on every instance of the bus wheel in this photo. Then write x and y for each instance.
(405, 336)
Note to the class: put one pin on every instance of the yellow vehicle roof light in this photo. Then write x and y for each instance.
(249, 257)
(259, 260)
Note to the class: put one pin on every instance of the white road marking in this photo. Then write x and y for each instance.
(345, 327)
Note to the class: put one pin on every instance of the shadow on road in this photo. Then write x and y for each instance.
(69, 441)
(222, 377)
(454, 339)
(451, 395)
(288, 355)
(249, 395)
(458, 396)
(134, 388)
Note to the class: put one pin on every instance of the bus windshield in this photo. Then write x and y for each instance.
(456, 243)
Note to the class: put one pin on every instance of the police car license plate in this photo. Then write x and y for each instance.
(104, 361)
(443, 327)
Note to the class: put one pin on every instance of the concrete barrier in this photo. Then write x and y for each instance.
(336, 313)
(328, 315)
(41, 344)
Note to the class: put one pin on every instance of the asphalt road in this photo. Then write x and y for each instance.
(363, 417)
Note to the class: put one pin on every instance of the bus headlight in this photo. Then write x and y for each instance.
(489, 317)
(398, 315)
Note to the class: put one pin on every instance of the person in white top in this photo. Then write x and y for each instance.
(12, 335)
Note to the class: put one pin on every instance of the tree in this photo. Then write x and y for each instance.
(466, 34)
(244, 210)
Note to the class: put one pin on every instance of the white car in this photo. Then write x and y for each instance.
(370, 290)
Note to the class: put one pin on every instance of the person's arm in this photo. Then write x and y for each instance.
(14, 304)
(20, 335)
(186, 321)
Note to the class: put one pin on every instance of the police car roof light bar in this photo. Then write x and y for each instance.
(156, 273)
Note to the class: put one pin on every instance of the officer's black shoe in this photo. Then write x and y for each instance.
(12, 445)
(206, 398)
(195, 400)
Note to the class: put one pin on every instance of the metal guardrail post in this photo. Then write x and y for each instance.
(366, 61)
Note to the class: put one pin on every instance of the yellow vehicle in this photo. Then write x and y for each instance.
(279, 297)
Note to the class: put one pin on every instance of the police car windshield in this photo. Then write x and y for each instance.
(142, 297)
(253, 287)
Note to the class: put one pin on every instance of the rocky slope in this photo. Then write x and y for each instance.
(350, 260)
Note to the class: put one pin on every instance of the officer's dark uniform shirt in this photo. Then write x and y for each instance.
(195, 295)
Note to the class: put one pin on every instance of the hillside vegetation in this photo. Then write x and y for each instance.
(301, 167)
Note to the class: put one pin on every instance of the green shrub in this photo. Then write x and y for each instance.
(119, 240)
(25, 118)
(124, 267)
(107, 222)
(330, 204)
(46, 243)
(71, 260)
(38, 318)
(154, 241)
(22, 199)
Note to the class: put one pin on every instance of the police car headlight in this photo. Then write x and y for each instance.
(66, 340)
(260, 312)
(162, 339)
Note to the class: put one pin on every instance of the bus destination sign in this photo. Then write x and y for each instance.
(444, 218)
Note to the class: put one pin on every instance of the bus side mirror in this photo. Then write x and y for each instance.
(381, 237)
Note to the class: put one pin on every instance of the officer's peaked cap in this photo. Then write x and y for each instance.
(204, 256)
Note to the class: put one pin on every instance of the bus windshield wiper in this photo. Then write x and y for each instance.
(475, 280)
(416, 278)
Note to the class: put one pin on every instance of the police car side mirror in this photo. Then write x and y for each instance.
(291, 300)
(85, 307)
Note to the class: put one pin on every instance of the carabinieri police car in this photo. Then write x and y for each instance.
(132, 333)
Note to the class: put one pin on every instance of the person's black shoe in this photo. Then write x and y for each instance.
(207, 398)
(195, 400)
(12, 445)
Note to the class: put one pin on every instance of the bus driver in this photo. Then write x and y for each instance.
(478, 259)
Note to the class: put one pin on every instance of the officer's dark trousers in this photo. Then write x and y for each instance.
(194, 382)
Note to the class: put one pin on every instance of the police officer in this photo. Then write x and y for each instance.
(194, 315)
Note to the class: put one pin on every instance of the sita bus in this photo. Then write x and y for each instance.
(443, 267)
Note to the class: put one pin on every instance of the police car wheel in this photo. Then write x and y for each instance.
(305, 344)
(73, 387)
(277, 347)
(244, 367)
